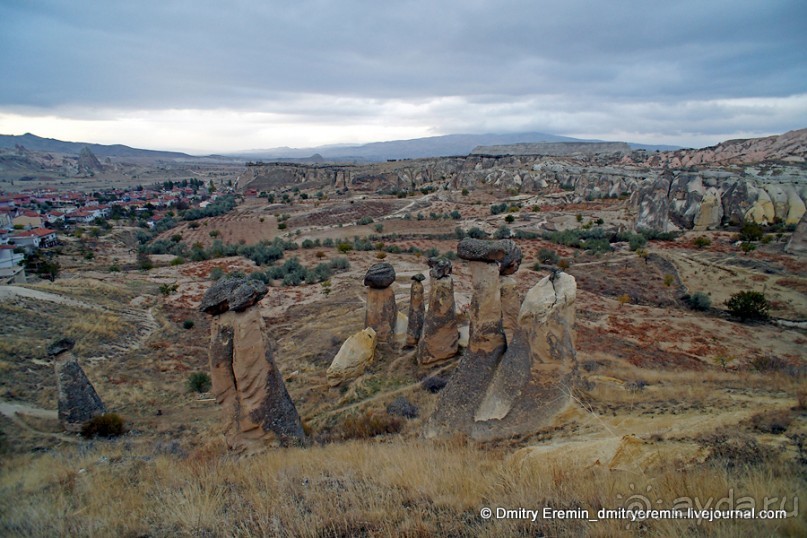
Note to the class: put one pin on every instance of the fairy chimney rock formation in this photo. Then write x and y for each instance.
(489, 260)
(798, 241)
(246, 381)
(78, 401)
(382, 312)
(440, 338)
(353, 357)
(513, 387)
(417, 311)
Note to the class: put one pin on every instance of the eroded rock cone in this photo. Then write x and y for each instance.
(440, 338)
(417, 311)
(382, 312)
(246, 381)
(798, 241)
(78, 401)
(353, 357)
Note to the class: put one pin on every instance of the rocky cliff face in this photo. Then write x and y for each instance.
(763, 179)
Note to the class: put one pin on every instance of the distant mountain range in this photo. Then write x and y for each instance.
(51, 145)
(434, 146)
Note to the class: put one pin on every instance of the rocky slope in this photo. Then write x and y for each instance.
(764, 179)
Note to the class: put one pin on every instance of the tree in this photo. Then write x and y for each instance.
(748, 305)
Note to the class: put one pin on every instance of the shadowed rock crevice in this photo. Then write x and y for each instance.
(417, 311)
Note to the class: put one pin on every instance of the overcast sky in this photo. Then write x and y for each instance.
(204, 76)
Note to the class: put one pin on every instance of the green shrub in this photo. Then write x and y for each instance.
(495, 209)
(701, 242)
(199, 382)
(168, 289)
(187, 324)
(748, 305)
(698, 301)
(503, 232)
(106, 425)
(477, 233)
(547, 255)
(751, 231)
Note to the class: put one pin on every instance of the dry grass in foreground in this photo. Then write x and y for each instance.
(400, 488)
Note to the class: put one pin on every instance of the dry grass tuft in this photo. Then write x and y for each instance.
(354, 489)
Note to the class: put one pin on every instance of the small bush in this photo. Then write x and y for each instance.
(635, 386)
(106, 425)
(734, 450)
(216, 273)
(748, 305)
(167, 289)
(701, 242)
(698, 301)
(187, 324)
(547, 255)
(434, 384)
(370, 425)
(402, 407)
(199, 382)
(768, 363)
(775, 422)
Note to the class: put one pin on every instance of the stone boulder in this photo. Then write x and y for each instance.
(417, 312)
(503, 252)
(440, 267)
(380, 276)
(440, 338)
(78, 401)
(353, 357)
(231, 293)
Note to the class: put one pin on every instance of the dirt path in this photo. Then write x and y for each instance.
(14, 410)
(10, 292)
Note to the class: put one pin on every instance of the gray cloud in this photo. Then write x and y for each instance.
(499, 61)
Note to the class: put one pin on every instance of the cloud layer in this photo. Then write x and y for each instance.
(219, 76)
